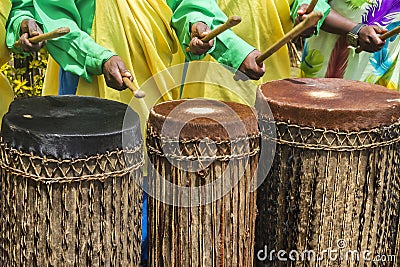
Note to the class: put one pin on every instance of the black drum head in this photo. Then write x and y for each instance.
(68, 126)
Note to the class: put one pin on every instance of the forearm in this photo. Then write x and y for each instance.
(337, 24)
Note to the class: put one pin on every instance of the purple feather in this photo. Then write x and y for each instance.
(381, 13)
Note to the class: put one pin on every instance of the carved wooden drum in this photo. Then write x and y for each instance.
(67, 192)
(332, 196)
(203, 158)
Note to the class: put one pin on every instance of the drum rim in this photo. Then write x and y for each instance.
(353, 116)
(68, 145)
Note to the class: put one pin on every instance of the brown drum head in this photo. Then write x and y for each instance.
(201, 118)
(330, 103)
(69, 126)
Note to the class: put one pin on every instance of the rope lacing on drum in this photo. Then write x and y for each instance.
(325, 139)
(49, 170)
(199, 149)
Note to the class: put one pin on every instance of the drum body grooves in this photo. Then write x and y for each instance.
(334, 183)
(68, 195)
(203, 156)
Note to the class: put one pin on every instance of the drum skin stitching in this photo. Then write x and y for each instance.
(98, 177)
(45, 159)
(152, 150)
(153, 133)
(354, 138)
(11, 154)
(157, 149)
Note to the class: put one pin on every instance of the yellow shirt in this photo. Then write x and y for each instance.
(140, 33)
(6, 93)
(5, 7)
(263, 23)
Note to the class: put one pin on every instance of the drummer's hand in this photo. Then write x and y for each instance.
(369, 39)
(301, 15)
(196, 45)
(250, 67)
(114, 69)
(29, 28)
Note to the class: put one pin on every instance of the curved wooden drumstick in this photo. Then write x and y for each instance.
(384, 37)
(47, 36)
(308, 22)
(136, 92)
(232, 21)
(311, 6)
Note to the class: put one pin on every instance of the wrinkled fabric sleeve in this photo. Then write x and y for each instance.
(5, 7)
(322, 6)
(228, 48)
(21, 10)
(75, 52)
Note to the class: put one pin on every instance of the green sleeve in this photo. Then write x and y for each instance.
(322, 5)
(185, 14)
(76, 52)
(228, 48)
(231, 50)
(21, 10)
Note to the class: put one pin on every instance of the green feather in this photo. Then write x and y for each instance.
(312, 63)
(358, 3)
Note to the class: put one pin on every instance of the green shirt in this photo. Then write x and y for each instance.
(76, 52)
(228, 48)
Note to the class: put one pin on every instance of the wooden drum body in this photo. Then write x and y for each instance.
(334, 184)
(67, 192)
(203, 157)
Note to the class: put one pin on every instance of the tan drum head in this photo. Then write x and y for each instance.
(331, 103)
(203, 118)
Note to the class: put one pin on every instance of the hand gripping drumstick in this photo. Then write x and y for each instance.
(232, 21)
(384, 36)
(136, 92)
(47, 36)
(310, 21)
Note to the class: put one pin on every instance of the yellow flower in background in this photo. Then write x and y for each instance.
(26, 74)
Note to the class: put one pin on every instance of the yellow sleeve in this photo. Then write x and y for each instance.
(5, 7)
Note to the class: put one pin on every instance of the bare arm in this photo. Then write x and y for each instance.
(368, 36)
(337, 24)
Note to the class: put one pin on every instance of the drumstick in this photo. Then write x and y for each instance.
(136, 92)
(311, 6)
(309, 9)
(47, 36)
(308, 22)
(384, 36)
(232, 21)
